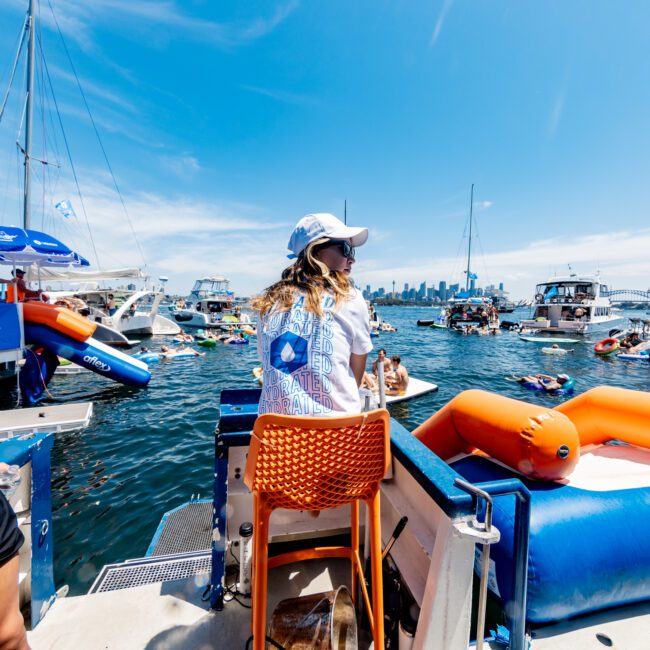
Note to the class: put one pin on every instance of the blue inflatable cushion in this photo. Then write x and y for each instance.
(588, 550)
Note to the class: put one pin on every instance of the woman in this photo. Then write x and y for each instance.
(314, 332)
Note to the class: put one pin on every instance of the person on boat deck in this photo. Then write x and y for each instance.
(313, 332)
(242, 318)
(546, 381)
(18, 286)
(111, 307)
(12, 627)
(579, 312)
(399, 379)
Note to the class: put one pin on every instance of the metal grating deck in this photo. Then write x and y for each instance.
(186, 529)
(150, 570)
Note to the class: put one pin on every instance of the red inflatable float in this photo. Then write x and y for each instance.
(607, 346)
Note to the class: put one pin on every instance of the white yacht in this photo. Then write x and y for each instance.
(575, 304)
(213, 304)
(136, 311)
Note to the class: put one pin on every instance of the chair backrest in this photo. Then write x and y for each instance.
(308, 463)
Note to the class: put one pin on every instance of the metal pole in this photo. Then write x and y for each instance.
(29, 114)
(469, 245)
(382, 384)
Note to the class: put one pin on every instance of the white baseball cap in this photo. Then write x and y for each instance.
(314, 226)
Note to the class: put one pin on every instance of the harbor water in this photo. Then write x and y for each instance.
(147, 451)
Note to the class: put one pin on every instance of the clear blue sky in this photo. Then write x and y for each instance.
(225, 122)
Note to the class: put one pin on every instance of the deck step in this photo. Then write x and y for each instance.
(185, 529)
(149, 570)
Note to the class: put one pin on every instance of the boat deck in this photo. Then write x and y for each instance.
(43, 419)
(173, 615)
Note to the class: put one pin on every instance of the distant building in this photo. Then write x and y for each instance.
(442, 290)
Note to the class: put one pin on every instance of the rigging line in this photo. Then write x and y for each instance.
(460, 245)
(480, 245)
(72, 167)
(21, 42)
(39, 72)
(99, 140)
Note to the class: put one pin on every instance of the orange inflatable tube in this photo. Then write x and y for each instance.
(538, 442)
(58, 318)
(607, 413)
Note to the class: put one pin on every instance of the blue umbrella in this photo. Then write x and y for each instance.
(18, 246)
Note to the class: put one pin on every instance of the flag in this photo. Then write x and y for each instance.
(66, 209)
(472, 276)
(550, 293)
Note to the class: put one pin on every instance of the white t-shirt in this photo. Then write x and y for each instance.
(306, 358)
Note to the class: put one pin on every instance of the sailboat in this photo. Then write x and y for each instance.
(466, 310)
(42, 332)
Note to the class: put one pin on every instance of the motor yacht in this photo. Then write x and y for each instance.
(575, 304)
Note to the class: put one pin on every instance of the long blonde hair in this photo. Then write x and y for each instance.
(308, 276)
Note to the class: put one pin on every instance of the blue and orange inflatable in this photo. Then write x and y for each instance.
(586, 464)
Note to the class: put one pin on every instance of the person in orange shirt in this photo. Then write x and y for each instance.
(19, 285)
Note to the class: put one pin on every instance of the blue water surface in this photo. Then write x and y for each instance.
(149, 450)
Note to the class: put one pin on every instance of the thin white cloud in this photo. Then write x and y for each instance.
(92, 88)
(444, 10)
(280, 95)
(78, 19)
(184, 165)
(620, 256)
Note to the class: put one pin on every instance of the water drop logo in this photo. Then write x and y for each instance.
(289, 352)
(287, 355)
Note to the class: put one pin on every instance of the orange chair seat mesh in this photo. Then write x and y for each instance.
(317, 468)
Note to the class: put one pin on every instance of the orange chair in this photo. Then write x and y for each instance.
(302, 463)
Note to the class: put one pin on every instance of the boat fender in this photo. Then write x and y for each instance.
(607, 346)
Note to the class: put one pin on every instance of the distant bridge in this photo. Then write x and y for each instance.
(630, 295)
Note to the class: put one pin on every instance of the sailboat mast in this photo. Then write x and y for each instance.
(469, 244)
(29, 114)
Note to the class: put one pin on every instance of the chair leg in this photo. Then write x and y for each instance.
(376, 570)
(260, 568)
(354, 545)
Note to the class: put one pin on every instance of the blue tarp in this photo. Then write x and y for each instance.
(10, 338)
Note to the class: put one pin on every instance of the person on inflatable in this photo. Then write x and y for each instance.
(398, 380)
(313, 330)
(548, 383)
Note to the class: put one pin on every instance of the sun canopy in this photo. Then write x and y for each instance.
(76, 275)
(25, 247)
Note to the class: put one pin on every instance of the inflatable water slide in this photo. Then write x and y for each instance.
(586, 465)
(69, 335)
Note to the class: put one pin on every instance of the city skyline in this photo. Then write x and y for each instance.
(432, 293)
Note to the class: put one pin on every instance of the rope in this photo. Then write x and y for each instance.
(21, 41)
(99, 140)
(74, 171)
(40, 373)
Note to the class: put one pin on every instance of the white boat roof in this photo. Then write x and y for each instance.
(573, 279)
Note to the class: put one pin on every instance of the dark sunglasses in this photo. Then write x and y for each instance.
(347, 249)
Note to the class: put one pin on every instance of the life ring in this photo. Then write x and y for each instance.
(539, 297)
(607, 346)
